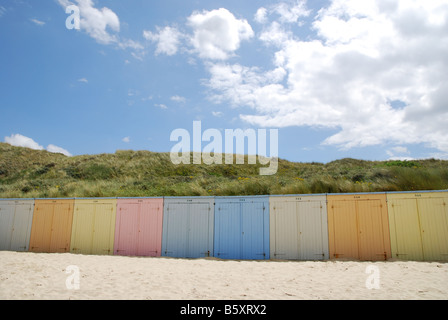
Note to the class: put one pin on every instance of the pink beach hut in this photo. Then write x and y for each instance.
(138, 228)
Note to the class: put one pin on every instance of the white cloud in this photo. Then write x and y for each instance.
(217, 114)
(83, 80)
(19, 140)
(438, 155)
(138, 56)
(243, 86)
(167, 39)
(261, 15)
(96, 22)
(400, 150)
(275, 34)
(218, 34)
(287, 12)
(103, 24)
(55, 149)
(290, 12)
(38, 22)
(161, 106)
(126, 139)
(127, 43)
(178, 99)
(399, 153)
(147, 98)
(367, 54)
(2, 11)
(401, 158)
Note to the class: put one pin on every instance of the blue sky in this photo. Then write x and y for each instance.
(361, 79)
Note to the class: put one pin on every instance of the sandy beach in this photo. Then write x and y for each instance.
(29, 276)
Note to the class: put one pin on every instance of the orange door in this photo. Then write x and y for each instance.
(343, 235)
(358, 227)
(41, 228)
(52, 225)
(372, 244)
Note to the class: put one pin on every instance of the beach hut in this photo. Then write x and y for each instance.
(419, 225)
(16, 217)
(358, 227)
(298, 227)
(242, 228)
(93, 226)
(52, 225)
(188, 227)
(138, 228)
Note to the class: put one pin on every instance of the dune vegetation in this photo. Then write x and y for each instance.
(27, 173)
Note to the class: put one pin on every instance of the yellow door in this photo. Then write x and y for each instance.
(404, 221)
(82, 231)
(94, 227)
(103, 231)
(434, 228)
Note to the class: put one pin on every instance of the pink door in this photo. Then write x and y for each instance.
(150, 235)
(138, 229)
(126, 229)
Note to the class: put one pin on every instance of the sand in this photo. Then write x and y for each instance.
(30, 276)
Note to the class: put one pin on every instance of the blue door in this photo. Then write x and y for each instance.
(188, 228)
(242, 228)
(253, 246)
(228, 231)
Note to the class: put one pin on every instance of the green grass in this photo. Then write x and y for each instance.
(26, 173)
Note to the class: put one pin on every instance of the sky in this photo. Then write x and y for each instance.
(337, 78)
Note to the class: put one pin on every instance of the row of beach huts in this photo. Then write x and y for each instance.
(366, 226)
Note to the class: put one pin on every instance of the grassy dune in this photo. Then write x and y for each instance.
(26, 173)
